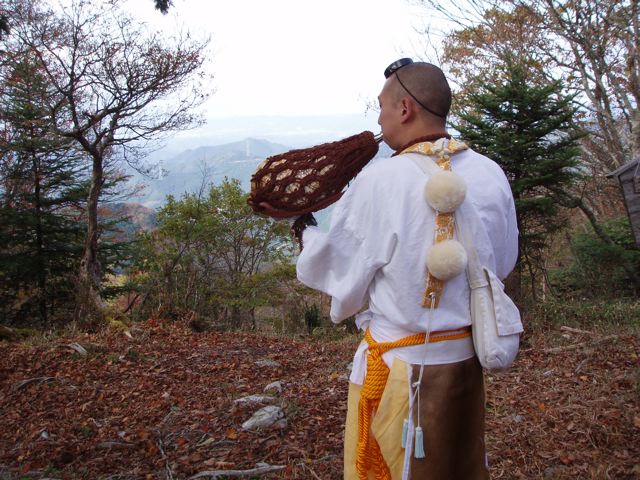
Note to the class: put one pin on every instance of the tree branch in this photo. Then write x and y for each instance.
(261, 470)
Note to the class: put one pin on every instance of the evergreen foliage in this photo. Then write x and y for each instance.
(527, 127)
(42, 191)
(117, 88)
(44, 183)
(312, 317)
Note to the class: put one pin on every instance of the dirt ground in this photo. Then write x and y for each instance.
(160, 405)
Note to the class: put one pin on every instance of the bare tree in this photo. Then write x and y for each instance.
(593, 46)
(118, 90)
(600, 46)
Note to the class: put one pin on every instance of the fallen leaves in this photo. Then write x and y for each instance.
(163, 402)
(161, 405)
(577, 409)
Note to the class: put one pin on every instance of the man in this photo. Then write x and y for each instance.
(416, 394)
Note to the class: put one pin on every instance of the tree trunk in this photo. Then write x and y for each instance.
(42, 271)
(635, 134)
(513, 282)
(513, 285)
(236, 318)
(253, 319)
(89, 310)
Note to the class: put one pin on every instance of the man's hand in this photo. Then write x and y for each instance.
(302, 222)
(267, 209)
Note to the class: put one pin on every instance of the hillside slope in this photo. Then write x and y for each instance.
(161, 405)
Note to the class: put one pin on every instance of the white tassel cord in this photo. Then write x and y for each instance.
(419, 451)
(405, 430)
(419, 445)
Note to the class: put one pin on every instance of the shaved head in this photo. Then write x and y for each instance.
(428, 85)
(414, 102)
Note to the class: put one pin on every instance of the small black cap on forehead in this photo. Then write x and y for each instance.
(395, 66)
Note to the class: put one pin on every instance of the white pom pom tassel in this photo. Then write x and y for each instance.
(446, 259)
(445, 191)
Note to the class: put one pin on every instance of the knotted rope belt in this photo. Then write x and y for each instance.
(369, 456)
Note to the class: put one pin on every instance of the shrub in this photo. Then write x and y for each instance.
(589, 314)
(312, 317)
(598, 269)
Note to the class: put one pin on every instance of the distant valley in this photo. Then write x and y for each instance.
(193, 169)
(190, 170)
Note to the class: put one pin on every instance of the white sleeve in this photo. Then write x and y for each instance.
(343, 261)
(506, 262)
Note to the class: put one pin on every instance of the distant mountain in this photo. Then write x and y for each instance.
(294, 131)
(229, 153)
(127, 219)
(193, 169)
(190, 170)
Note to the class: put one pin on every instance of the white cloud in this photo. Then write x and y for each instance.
(294, 57)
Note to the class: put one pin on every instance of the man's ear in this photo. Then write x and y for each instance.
(407, 109)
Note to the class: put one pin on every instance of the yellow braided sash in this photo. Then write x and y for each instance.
(369, 456)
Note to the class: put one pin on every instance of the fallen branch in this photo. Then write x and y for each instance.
(311, 471)
(239, 473)
(7, 333)
(24, 383)
(131, 303)
(115, 444)
(166, 460)
(581, 344)
(77, 348)
(576, 330)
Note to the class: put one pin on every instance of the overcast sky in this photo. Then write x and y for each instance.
(296, 57)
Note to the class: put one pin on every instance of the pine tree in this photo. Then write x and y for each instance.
(118, 90)
(41, 198)
(528, 128)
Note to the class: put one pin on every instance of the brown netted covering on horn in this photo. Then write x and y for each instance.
(309, 179)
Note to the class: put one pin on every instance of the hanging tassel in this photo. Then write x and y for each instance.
(419, 444)
(405, 431)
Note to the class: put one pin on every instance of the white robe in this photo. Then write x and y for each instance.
(375, 252)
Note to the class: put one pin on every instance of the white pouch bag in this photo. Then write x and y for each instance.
(496, 323)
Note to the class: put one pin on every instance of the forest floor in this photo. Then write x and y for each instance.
(160, 405)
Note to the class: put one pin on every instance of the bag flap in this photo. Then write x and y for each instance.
(507, 314)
